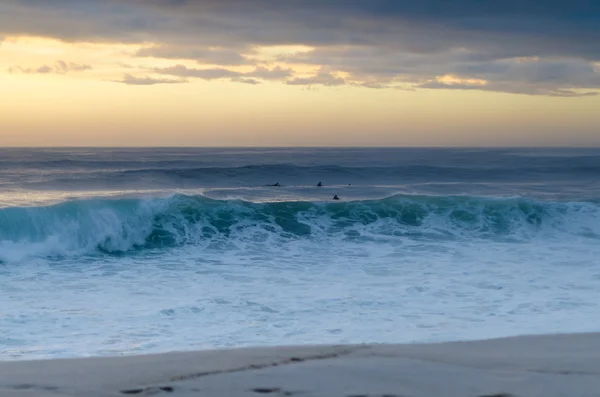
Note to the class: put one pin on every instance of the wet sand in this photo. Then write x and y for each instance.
(526, 366)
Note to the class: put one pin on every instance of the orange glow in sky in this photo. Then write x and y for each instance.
(168, 87)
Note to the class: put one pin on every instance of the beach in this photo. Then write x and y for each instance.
(524, 366)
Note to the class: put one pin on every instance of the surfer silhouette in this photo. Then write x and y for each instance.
(335, 197)
(275, 184)
(319, 184)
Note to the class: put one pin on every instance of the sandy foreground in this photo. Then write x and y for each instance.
(527, 366)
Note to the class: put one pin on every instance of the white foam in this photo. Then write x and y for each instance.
(265, 292)
(371, 281)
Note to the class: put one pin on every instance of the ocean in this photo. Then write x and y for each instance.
(131, 251)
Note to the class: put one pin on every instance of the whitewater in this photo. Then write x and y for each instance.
(128, 251)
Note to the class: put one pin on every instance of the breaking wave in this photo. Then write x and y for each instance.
(120, 226)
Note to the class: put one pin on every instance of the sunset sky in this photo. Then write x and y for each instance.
(299, 73)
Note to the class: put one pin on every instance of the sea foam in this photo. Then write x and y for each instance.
(116, 226)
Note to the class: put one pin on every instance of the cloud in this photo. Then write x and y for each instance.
(532, 75)
(375, 43)
(132, 80)
(513, 89)
(321, 78)
(263, 73)
(60, 67)
(528, 90)
(278, 73)
(553, 27)
(245, 80)
(215, 56)
(205, 74)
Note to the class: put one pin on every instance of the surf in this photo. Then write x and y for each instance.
(111, 226)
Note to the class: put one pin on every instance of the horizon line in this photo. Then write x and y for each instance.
(298, 147)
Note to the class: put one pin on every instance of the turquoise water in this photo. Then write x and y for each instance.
(122, 251)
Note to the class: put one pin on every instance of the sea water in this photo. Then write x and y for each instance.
(129, 251)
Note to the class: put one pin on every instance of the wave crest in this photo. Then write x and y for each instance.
(112, 226)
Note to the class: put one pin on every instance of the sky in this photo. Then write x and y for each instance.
(299, 73)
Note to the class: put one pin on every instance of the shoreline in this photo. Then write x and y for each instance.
(532, 365)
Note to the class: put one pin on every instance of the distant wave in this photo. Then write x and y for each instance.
(122, 170)
(261, 175)
(116, 226)
(283, 170)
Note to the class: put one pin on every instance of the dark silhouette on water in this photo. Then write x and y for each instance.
(319, 184)
(275, 184)
(335, 197)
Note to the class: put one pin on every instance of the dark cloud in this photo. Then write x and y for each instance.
(60, 67)
(79, 20)
(552, 27)
(504, 74)
(379, 43)
(557, 27)
(132, 80)
(576, 73)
